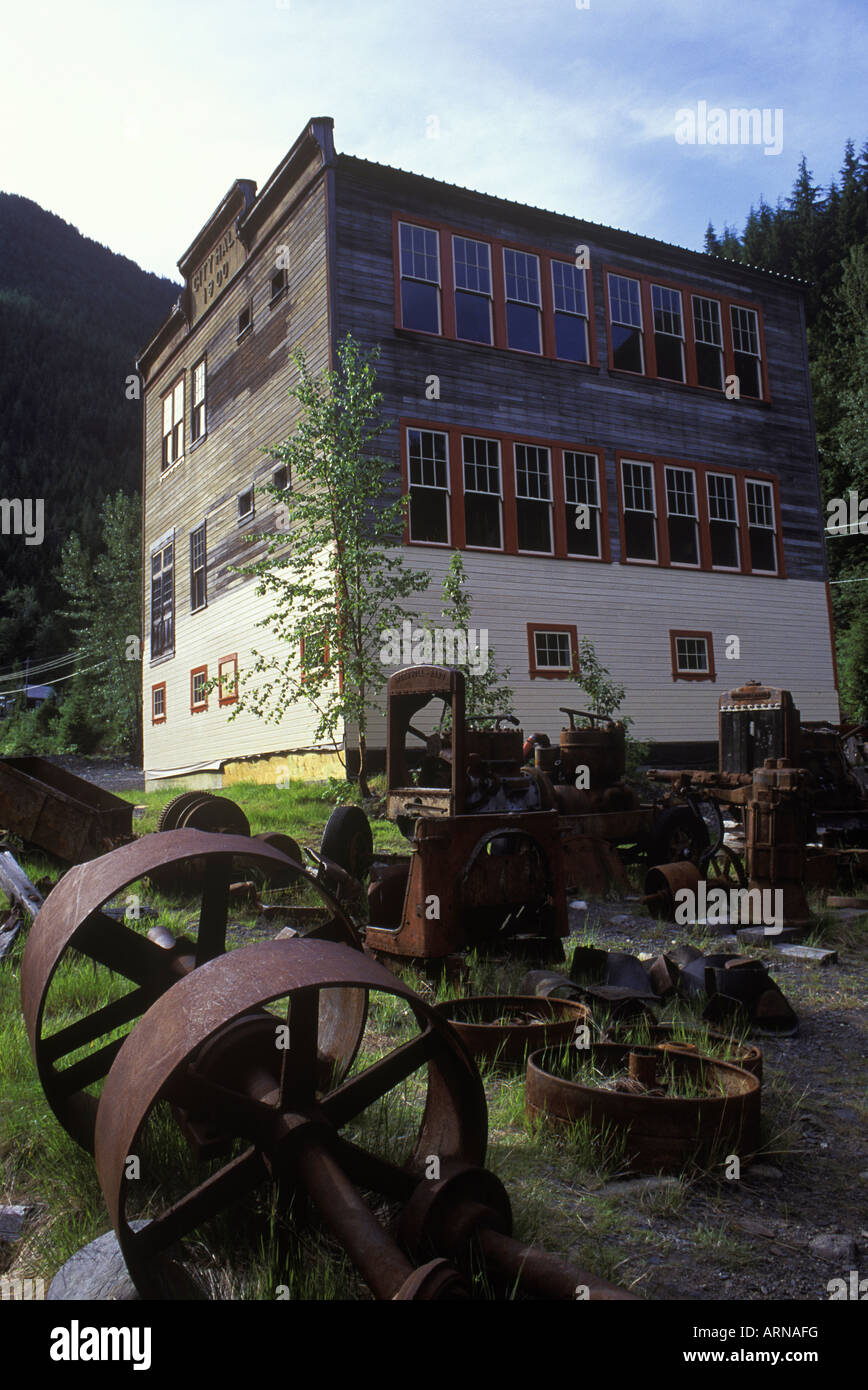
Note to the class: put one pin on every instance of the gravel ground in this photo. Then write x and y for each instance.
(111, 775)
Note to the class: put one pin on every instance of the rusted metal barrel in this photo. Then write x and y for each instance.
(504, 1028)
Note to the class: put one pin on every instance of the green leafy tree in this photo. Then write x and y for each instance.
(105, 612)
(487, 692)
(604, 693)
(334, 577)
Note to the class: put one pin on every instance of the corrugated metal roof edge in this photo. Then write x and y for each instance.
(581, 221)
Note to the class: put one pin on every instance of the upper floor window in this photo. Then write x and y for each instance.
(197, 419)
(681, 516)
(473, 318)
(761, 526)
(668, 332)
(246, 505)
(198, 598)
(708, 342)
(571, 311)
(582, 495)
(428, 459)
(723, 521)
(625, 310)
(483, 495)
(533, 498)
(640, 512)
(746, 350)
(163, 598)
(420, 277)
(523, 303)
(173, 424)
(227, 679)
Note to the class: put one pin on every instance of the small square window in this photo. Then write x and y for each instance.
(245, 505)
(227, 679)
(552, 650)
(692, 656)
(280, 478)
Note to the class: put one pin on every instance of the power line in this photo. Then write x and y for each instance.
(848, 581)
(22, 690)
(43, 666)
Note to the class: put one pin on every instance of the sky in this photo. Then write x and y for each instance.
(131, 122)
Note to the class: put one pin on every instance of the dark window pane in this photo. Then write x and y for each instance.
(419, 306)
(762, 549)
(724, 544)
(709, 366)
(482, 520)
(472, 316)
(748, 373)
(683, 547)
(428, 520)
(626, 348)
(639, 536)
(670, 359)
(571, 337)
(534, 532)
(584, 540)
(522, 327)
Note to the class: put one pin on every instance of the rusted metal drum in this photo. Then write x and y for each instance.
(708, 1042)
(504, 1028)
(600, 749)
(662, 1132)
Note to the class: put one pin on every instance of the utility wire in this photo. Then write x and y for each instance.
(100, 665)
(43, 666)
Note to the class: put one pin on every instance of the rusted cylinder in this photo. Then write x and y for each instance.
(482, 1023)
(643, 1068)
(602, 751)
(534, 1271)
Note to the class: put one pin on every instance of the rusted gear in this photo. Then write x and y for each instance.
(169, 816)
(293, 1131)
(71, 922)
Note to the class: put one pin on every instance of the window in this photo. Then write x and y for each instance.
(245, 319)
(625, 311)
(483, 505)
(278, 284)
(420, 277)
(158, 703)
(761, 527)
(571, 311)
(745, 342)
(668, 332)
(163, 598)
(280, 478)
(472, 289)
(523, 304)
(533, 498)
(173, 424)
(245, 504)
(197, 419)
(708, 340)
(198, 691)
(198, 598)
(681, 516)
(552, 650)
(640, 513)
(227, 679)
(692, 656)
(582, 495)
(723, 521)
(428, 454)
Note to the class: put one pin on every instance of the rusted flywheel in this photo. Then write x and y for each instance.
(210, 1049)
(710, 1105)
(504, 1028)
(75, 1058)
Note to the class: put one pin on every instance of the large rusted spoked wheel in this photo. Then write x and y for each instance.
(74, 1058)
(724, 869)
(204, 1049)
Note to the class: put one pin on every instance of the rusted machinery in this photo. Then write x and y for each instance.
(72, 924)
(56, 811)
(498, 846)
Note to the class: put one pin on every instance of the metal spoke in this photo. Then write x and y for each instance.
(298, 1072)
(95, 1025)
(217, 1192)
(377, 1080)
(121, 949)
(370, 1171)
(214, 912)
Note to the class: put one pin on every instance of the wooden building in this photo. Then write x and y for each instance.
(659, 394)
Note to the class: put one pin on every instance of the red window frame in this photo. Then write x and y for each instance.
(659, 463)
(543, 672)
(560, 515)
(158, 718)
(203, 703)
(497, 246)
(224, 661)
(686, 290)
(710, 674)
